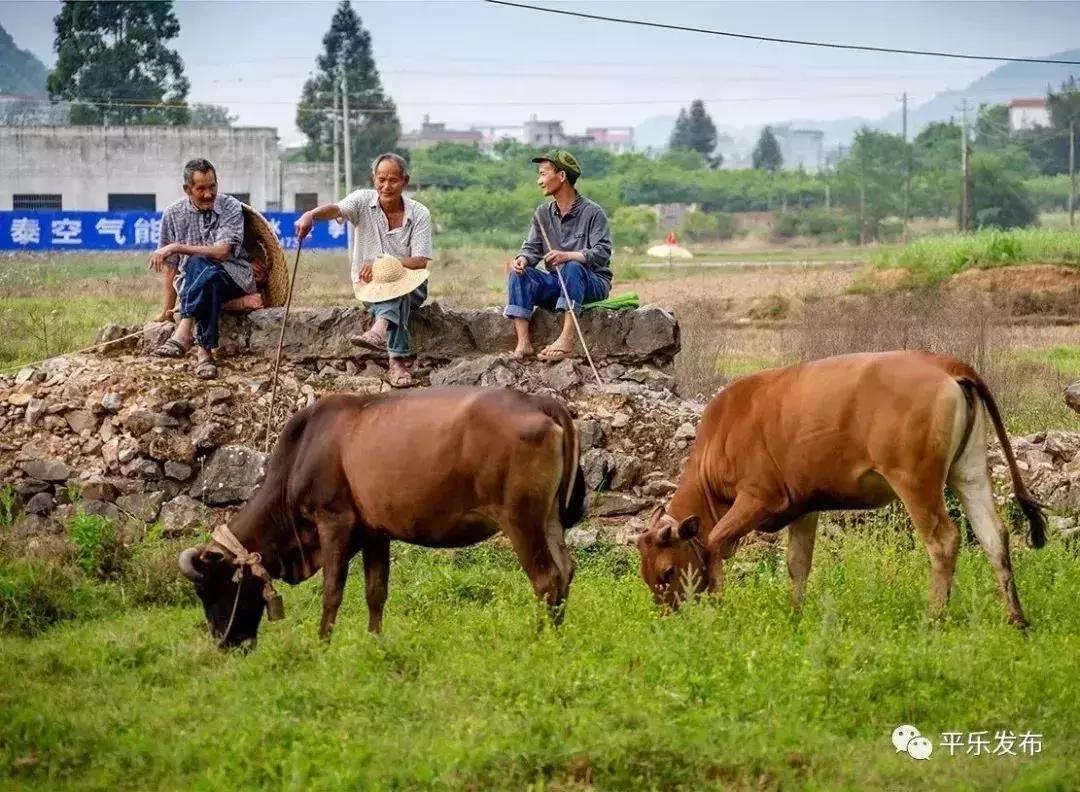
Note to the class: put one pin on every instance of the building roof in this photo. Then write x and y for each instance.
(1033, 103)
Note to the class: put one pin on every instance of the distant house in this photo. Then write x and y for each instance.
(431, 134)
(544, 133)
(617, 140)
(802, 149)
(1028, 113)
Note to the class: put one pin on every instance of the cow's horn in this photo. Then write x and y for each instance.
(187, 564)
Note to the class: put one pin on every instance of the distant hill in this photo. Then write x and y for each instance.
(20, 71)
(1006, 82)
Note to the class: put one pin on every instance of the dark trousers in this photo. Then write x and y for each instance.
(205, 288)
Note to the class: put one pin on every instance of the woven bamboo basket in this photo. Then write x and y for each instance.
(261, 242)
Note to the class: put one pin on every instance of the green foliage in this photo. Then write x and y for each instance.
(8, 499)
(767, 154)
(1049, 146)
(115, 52)
(34, 595)
(211, 115)
(97, 544)
(463, 691)
(697, 226)
(1049, 193)
(633, 226)
(694, 131)
(374, 126)
(999, 198)
(870, 181)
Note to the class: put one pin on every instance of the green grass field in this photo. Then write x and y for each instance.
(463, 692)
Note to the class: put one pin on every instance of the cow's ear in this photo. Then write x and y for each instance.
(689, 527)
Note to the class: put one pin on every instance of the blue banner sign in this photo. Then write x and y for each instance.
(130, 231)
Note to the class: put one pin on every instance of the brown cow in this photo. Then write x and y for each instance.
(440, 468)
(847, 432)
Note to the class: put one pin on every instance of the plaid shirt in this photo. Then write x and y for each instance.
(183, 223)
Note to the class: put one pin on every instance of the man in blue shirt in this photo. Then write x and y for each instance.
(578, 228)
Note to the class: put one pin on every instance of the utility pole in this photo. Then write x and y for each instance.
(965, 211)
(1072, 174)
(337, 160)
(348, 140)
(907, 171)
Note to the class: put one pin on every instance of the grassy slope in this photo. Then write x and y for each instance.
(462, 692)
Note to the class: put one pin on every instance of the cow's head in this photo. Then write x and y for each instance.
(212, 571)
(673, 561)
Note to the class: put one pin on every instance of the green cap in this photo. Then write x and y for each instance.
(561, 159)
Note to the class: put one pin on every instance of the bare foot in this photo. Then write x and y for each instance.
(521, 352)
(398, 375)
(557, 350)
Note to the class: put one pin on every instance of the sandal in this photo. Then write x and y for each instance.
(400, 379)
(205, 369)
(372, 340)
(554, 355)
(515, 355)
(171, 348)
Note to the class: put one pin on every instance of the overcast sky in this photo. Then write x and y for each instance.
(471, 62)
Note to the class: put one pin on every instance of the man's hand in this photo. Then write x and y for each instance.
(303, 225)
(158, 257)
(365, 271)
(560, 257)
(518, 266)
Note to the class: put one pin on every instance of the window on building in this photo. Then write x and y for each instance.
(242, 197)
(132, 202)
(304, 202)
(273, 206)
(22, 202)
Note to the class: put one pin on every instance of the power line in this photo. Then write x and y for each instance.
(513, 103)
(775, 40)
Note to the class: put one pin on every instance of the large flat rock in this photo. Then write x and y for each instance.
(649, 334)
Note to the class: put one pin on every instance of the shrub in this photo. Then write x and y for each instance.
(35, 595)
(98, 549)
(633, 226)
(696, 226)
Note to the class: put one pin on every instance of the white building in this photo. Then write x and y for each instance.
(1028, 113)
(802, 149)
(98, 168)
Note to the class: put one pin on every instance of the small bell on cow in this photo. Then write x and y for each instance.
(275, 609)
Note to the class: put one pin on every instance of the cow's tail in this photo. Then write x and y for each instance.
(967, 377)
(571, 493)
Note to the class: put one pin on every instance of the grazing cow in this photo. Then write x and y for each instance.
(440, 468)
(847, 432)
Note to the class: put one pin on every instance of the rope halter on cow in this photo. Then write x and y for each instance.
(244, 560)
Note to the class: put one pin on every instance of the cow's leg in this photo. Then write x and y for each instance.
(745, 514)
(970, 479)
(800, 553)
(334, 532)
(376, 579)
(526, 526)
(925, 503)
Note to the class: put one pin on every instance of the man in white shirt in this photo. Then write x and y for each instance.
(386, 223)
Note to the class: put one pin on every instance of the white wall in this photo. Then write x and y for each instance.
(86, 163)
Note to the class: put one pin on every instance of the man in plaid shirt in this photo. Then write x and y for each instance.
(202, 236)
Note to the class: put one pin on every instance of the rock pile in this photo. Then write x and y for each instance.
(139, 439)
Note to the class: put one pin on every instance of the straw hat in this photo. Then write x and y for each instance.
(260, 240)
(389, 279)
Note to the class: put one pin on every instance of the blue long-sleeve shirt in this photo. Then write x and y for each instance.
(584, 229)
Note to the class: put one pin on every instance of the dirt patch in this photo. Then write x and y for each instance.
(1023, 291)
(764, 292)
